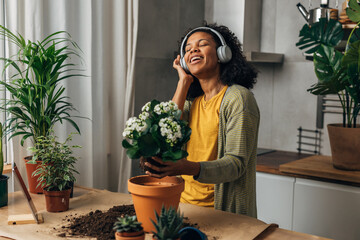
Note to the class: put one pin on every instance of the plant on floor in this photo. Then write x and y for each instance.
(128, 226)
(56, 172)
(37, 101)
(168, 224)
(338, 73)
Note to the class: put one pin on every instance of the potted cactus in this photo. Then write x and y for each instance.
(168, 224)
(128, 228)
(3, 178)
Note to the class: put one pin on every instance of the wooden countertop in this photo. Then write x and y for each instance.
(314, 167)
(216, 224)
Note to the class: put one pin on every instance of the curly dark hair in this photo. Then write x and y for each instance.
(236, 71)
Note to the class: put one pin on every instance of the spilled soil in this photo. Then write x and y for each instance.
(97, 224)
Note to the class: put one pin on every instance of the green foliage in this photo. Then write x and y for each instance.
(1, 150)
(337, 72)
(56, 172)
(37, 98)
(149, 141)
(168, 224)
(127, 224)
(324, 32)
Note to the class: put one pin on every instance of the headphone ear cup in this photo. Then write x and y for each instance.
(183, 65)
(224, 53)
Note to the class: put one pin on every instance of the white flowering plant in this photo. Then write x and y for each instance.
(158, 131)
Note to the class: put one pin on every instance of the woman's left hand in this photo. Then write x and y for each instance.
(169, 168)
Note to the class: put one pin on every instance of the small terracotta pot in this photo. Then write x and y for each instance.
(57, 201)
(32, 181)
(345, 146)
(149, 194)
(130, 235)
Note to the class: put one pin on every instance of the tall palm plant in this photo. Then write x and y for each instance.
(37, 99)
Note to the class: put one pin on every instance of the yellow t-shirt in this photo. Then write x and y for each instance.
(202, 146)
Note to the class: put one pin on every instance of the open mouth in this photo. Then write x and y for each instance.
(195, 59)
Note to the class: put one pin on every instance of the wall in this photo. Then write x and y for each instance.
(162, 23)
(281, 88)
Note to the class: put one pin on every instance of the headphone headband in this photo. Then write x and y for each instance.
(222, 40)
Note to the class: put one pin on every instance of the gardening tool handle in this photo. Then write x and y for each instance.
(23, 186)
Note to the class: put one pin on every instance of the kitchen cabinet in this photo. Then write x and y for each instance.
(275, 199)
(326, 209)
(309, 206)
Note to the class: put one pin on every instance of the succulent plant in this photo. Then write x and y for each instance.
(127, 224)
(168, 225)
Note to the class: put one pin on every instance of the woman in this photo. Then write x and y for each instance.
(213, 92)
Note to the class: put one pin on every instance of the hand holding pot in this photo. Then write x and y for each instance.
(170, 168)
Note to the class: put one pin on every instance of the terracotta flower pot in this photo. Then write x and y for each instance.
(345, 146)
(57, 201)
(3, 190)
(150, 194)
(130, 235)
(32, 181)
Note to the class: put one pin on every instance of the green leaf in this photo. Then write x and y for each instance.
(133, 153)
(352, 55)
(126, 144)
(326, 32)
(148, 146)
(353, 11)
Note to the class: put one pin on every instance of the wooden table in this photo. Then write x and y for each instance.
(216, 224)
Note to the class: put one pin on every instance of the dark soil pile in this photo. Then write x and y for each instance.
(97, 224)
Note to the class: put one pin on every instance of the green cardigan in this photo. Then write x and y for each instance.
(234, 172)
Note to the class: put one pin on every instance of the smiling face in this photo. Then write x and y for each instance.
(200, 55)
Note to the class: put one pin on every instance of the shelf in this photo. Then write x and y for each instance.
(264, 57)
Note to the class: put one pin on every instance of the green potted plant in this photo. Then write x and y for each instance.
(158, 131)
(56, 171)
(168, 224)
(338, 72)
(3, 178)
(37, 98)
(128, 228)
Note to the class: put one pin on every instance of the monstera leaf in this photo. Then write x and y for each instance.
(353, 11)
(352, 55)
(324, 32)
(328, 69)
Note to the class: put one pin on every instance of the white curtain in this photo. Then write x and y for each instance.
(106, 31)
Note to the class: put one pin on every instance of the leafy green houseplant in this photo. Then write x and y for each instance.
(3, 178)
(56, 172)
(158, 131)
(338, 72)
(168, 224)
(37, 99)
(128, 227)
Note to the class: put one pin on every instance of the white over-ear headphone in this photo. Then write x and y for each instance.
(223, 52)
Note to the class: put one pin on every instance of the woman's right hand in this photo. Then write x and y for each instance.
(183, 85)
(184, 77)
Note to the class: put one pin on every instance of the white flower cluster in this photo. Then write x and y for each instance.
(134, 124)
(146, 107)
(170, 129)
(166, 107)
